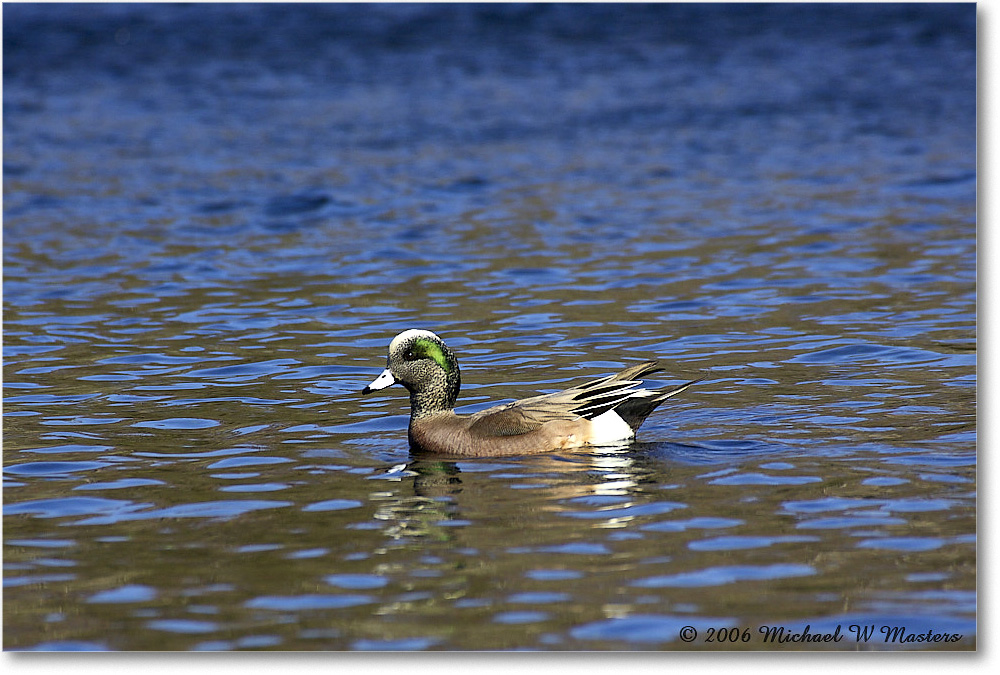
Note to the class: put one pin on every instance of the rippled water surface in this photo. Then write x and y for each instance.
(216, 218)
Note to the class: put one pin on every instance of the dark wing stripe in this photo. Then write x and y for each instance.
(613, 388)
(608, 401)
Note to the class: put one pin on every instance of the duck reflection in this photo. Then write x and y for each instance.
(434, 497)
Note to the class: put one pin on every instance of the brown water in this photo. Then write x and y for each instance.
(199, 279)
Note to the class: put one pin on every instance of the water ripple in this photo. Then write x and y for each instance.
(297, 603)
(719, 576)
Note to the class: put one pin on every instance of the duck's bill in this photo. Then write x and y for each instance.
(381, 382)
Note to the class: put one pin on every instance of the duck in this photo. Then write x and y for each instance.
(607, 411)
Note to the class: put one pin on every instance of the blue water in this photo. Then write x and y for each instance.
(217, 216)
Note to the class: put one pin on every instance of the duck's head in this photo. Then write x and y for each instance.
(421, 361)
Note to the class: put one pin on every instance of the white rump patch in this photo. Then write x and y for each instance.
(609, 428)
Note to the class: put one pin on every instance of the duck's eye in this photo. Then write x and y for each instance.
(409, 355)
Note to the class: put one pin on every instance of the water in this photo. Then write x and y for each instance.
(216, 218)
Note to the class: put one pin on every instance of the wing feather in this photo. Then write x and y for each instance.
(587, 400)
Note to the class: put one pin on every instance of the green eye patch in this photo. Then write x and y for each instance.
(428, 349)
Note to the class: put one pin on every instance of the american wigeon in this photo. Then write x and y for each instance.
(602, 412)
